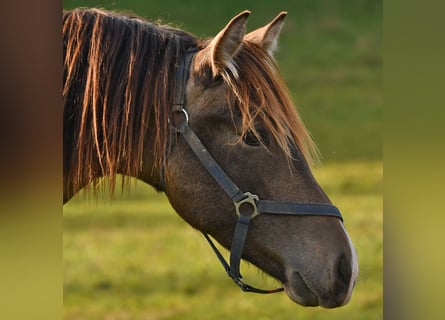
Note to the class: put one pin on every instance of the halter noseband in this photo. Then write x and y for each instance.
(240, 199)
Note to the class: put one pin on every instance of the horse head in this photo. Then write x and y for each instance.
(238, 106)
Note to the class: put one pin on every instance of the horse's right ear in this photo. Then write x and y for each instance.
(267, 36)
(226, 43)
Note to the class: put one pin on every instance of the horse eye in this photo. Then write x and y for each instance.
(253, 141)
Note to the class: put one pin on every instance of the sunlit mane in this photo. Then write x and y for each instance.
(117, 71)
(261, 94)
(119, 82)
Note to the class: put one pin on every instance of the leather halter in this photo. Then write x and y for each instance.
(252, 205)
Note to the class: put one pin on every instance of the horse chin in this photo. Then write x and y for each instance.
(299, 292)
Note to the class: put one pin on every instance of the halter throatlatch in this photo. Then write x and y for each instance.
(247, 205)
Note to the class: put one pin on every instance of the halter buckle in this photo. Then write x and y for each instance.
(250, 199)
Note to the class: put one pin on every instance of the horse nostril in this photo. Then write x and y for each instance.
(344, 269)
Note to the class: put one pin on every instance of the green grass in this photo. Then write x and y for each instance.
(134, 258)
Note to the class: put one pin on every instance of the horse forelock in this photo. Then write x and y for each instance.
(261, 95)
(119, 81)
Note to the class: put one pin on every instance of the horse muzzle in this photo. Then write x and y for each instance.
(330, 290)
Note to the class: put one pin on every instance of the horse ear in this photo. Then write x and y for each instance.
(267, 36)
(226, 43)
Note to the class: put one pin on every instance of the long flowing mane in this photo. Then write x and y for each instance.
(118, 70)
(119, 82)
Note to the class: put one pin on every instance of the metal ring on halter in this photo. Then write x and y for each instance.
(182, 126)
(249, 199)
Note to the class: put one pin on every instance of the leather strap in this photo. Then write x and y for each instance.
(236, 250)
(182, 74)
(243, 286)
(302, 209)
(218, 174)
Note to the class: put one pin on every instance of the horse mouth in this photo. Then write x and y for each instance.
(298, 291)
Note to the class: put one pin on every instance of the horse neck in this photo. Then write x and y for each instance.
(148, 173)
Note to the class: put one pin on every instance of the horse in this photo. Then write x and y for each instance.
(201, 120)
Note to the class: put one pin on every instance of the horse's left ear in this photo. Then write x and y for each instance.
(267, 36)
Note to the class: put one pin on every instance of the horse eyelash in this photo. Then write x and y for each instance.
(254, 141)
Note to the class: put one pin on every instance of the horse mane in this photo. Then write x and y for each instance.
(261, 93)
(117, 70)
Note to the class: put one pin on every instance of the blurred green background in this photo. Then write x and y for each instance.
(134, 258)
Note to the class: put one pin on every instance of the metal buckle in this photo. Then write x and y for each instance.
(250, 199)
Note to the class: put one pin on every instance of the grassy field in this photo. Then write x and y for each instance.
(134, 258)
